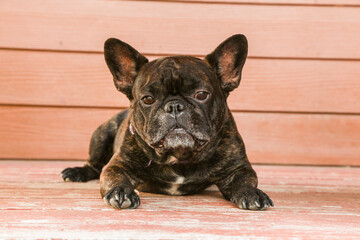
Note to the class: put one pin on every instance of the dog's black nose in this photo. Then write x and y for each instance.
(174, 107)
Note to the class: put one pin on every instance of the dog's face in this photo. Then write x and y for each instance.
(178, 104)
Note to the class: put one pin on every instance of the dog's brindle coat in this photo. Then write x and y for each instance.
(178, 137)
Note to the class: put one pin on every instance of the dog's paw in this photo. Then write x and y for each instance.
(121, 198)
(252, 199)
(79, 174)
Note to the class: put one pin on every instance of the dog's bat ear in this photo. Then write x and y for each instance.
(228, 60)
(124, 63)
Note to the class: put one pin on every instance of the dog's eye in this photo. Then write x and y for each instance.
(202, 95)
(148, 100)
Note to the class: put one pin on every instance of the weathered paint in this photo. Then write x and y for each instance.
(310, 203)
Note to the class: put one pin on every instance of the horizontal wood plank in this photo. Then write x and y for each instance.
(154, 27)
(320, 201)
(80, 79)
(283, 2)
(60, 79)
(44, 174)
(64, 133)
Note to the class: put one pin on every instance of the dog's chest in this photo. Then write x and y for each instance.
(170, 182)
(177, 179)
(174, 187)
(177, 184)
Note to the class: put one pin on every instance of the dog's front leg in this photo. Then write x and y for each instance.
(240, 187)
(117, 188)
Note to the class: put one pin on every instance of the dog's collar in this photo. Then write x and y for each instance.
(131, 129)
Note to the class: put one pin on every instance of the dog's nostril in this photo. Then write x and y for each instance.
(168, 108)
(180, 107)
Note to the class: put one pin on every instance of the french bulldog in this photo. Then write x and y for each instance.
(178, 136)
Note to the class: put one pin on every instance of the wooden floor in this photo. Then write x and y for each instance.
(310, 203)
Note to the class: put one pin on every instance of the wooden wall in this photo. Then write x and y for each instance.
(298, 102)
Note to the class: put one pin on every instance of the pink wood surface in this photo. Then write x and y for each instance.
(64, 133)
(282, 2)
(181, 28)
(310, 203)
(80, 79)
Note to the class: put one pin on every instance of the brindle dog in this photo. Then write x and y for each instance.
(178, 136)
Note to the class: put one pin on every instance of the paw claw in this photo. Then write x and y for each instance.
(271, 202)
(243, 204)
(126, 202)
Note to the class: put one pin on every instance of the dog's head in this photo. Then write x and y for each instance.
(177, 104)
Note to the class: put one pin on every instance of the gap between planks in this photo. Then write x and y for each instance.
(232, 110)
(152, 56)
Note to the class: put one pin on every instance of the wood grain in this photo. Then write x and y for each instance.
(283, 2)
(44, 174)
(80, 79)
(154, 27)
(64, 133)
(310, 203)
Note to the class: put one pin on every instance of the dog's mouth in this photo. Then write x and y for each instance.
(178, 140)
